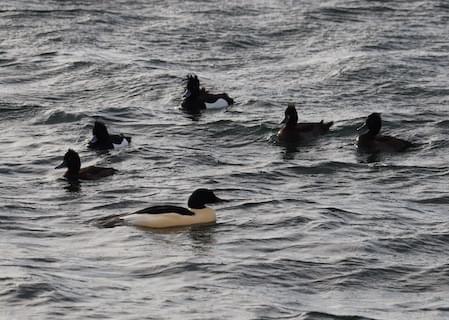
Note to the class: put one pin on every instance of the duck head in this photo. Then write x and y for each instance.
(373, 123)
(100, 133)
(71, 161)
(201, 197)
(291, 116)
(192, 86)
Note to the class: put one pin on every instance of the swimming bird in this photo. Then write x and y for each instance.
(74, 172)
(197, 99)
(167, 216)
(102, 140)
(300, 132)
(372, 142)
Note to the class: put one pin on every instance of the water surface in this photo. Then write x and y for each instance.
(320, 232)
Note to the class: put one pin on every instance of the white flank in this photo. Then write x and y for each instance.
(219, 104)
(170, 219)
(121, 145)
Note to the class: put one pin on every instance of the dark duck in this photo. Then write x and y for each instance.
(372, 142)
(74, 171)
(294, 132)
(168, 216)
(102, 140)
(197, 99)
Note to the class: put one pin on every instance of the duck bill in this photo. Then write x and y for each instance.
(94, 140)
(62, 165)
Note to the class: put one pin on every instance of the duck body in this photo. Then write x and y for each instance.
(372, 142)
(300, 132)
(380, 143)
(168, 216)
(102, 140)
(197, 99)
(91, 173)
(74, 171)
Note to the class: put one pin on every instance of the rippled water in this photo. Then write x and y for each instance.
(320, 232)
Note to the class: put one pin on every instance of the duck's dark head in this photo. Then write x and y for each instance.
(192, 86)
(71, 161)
(373, 123)
(291, 116)
(201, 197)
(100, 133)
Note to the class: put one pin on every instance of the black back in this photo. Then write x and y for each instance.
(166, 209)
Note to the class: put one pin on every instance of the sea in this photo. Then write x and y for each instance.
(318, 231)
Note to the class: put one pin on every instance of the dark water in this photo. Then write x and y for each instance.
(320, 233)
